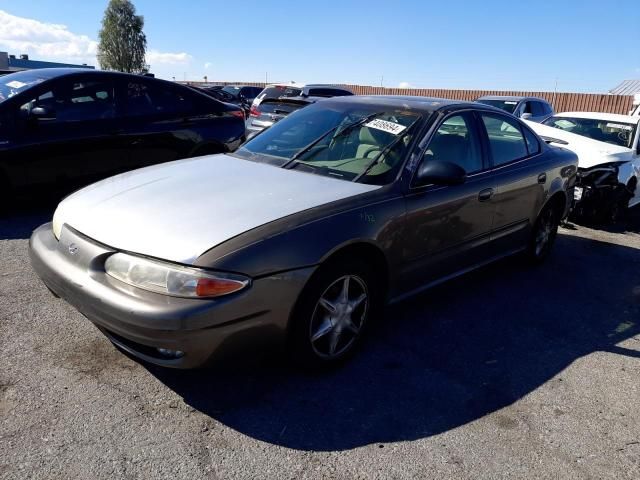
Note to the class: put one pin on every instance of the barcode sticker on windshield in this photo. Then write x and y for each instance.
(620, 126)
(15, 84)
(389, 127)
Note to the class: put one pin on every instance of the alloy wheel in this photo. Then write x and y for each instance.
(339, 316)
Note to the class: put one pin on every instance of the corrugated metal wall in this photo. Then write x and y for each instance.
(562, 102)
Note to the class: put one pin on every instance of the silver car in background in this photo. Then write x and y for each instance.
(277, 101)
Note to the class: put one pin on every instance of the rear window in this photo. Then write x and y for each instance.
(282, 108)
(328, 92)
(277, 92)
(234, 91)
(506, 105)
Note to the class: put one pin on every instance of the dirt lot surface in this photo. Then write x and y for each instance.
(509, 372)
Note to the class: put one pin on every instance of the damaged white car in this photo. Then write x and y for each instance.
(608, 147)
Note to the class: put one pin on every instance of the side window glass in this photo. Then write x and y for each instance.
(533, 145)
(505, 139)
(86, 100)
(146, 99)
(536, 109)
(548, 110)
(456, 142)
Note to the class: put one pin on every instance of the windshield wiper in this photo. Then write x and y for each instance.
(380, 155)
(348, 127)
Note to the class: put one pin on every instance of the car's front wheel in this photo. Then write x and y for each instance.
(333, 312)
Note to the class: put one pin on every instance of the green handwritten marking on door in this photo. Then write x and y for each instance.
(367, 217)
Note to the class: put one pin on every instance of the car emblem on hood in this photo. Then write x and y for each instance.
(73, 248)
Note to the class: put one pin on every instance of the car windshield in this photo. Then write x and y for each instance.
(15, 83)
(614, 132)
(364, 143)
(506, 105)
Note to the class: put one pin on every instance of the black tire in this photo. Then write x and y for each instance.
(620, 208)
(6, 193)
(543, 235)
(310, 315)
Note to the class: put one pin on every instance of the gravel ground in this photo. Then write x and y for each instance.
(509, 372)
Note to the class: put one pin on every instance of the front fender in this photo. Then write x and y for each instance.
(627, 171)
(296, 242)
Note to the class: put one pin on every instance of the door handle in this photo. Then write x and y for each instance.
(542, 178)
(485, 194)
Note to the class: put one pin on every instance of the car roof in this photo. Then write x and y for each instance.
(425, 104)
(512, 98)
(607, 117)
(306, 85)
(49, 73)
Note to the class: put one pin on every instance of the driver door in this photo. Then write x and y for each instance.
(64, 132)
(449, 227)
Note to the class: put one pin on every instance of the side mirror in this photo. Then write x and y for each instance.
(526, 116)
(441, 173)
(42, 113)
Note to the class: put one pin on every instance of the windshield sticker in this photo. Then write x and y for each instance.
(389, 127)
(15, 84)
(620, 126)
(509, 102)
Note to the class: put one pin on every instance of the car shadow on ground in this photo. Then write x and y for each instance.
(440, 360)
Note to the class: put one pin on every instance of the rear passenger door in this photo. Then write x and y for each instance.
(158, 123)
(520, 178)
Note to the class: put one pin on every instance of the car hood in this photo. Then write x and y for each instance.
(177, 211)
(590, 152)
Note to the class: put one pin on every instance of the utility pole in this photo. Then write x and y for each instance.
(555, 89)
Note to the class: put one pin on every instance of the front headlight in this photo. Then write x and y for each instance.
(56, 224)
(169, 279)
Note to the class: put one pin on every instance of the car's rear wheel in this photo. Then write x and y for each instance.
(6, 192)
(333, 313)
(544, 234)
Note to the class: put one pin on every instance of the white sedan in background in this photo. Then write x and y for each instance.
(608, 148)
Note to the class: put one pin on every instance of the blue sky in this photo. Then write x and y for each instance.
(587, 46)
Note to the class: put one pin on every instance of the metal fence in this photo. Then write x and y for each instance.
(561, 101)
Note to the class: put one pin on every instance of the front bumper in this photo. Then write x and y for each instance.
(139, 321)
(602, 189)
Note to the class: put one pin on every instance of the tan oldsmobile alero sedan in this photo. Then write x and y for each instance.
(303, 233)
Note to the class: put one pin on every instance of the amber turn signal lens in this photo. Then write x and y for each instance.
(209, 287)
